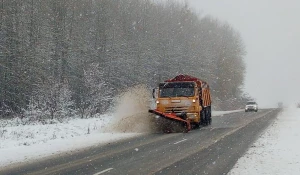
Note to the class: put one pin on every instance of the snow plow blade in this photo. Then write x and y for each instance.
(172, 122)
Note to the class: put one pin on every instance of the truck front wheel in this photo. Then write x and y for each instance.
(204, 116)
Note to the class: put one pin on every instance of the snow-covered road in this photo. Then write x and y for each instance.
(277, 151)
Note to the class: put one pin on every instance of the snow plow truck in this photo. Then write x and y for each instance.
(182, 103)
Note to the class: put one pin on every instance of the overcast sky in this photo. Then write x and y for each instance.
(271, 33)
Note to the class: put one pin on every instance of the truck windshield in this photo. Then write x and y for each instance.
(185, 89)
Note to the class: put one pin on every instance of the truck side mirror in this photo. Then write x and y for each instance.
(154, 93)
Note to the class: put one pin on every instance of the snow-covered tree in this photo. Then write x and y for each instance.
(97, 94)
(51, 45)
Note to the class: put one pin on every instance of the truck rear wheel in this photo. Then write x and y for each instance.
(209, 115)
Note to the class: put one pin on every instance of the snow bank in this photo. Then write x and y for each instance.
(28, 142)
(276, 151)
(22, 140)
(26, 135)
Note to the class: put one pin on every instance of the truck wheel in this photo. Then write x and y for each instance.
(197, 125)
(203, 117)
(209, 116)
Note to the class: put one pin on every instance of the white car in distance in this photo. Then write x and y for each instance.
(251, 106)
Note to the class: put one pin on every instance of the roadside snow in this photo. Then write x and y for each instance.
(28, 142)
(17, 134)
(21, 142)
(277, 151)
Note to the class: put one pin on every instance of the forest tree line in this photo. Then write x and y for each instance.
(66, 57)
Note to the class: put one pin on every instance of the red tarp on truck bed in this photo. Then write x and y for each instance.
(186, 78)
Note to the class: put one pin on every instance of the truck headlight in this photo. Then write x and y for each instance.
(191, 116)
(157, 101)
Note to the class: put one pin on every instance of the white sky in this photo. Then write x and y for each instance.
(271, 33)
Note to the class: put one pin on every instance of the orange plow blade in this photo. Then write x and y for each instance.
(172, 121)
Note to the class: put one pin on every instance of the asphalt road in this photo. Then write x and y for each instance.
(208, 150)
